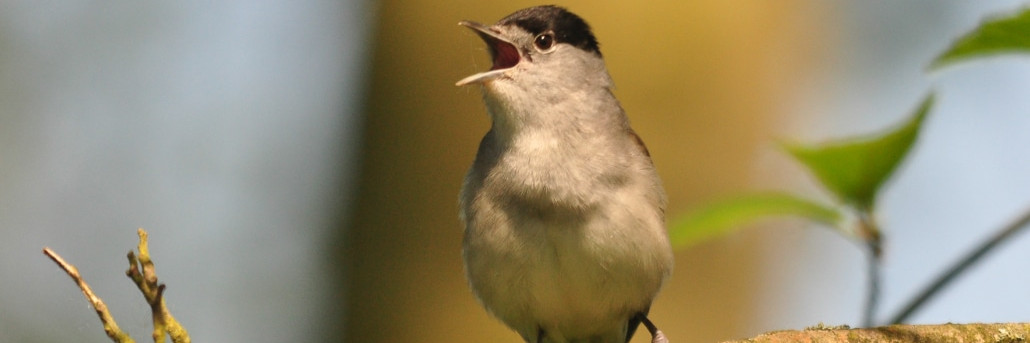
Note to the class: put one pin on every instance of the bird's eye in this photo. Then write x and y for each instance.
(544, 41)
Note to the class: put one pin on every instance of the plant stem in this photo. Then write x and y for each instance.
(873, 295)
(963, 264)
(870, 233)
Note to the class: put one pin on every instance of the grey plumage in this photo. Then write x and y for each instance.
(564, 213)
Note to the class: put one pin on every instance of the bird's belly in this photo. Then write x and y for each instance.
(575, 279)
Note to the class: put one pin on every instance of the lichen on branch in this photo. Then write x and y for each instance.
(143, 274)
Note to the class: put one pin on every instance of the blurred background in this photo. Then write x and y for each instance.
(298, 165)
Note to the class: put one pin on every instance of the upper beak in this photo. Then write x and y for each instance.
(503, 53)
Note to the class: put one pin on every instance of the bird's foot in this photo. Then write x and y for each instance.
(656, 335)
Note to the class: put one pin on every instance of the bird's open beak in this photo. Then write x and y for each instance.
(504, 54)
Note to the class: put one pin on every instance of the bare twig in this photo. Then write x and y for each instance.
(153, 292)
(110, 327)
(949, 275)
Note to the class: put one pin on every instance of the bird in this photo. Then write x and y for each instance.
(564, 212)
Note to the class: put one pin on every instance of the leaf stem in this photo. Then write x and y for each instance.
(950, 274)
(873, 295)
(870, 233)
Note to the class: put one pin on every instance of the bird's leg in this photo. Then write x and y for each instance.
(656, 335)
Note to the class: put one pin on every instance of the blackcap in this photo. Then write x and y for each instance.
(564, 213)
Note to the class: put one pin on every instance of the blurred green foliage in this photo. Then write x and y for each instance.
(995, 36)
(854, 169)
(720, 217)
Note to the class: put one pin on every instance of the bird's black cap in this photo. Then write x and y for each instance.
(568, 27)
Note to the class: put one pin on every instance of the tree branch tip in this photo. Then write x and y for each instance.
(142, 235)
(68, 268)
(50, 253)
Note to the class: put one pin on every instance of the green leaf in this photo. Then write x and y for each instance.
(994, 36)
(722, 217)
(855, 169)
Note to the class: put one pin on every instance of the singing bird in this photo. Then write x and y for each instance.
(564, 212)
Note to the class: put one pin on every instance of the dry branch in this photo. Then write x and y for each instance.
(146, 281)
(110, 327)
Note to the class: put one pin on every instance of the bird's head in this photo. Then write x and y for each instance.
(543, 46)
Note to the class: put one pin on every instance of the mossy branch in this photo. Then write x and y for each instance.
(146, 281)
(944, 333)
